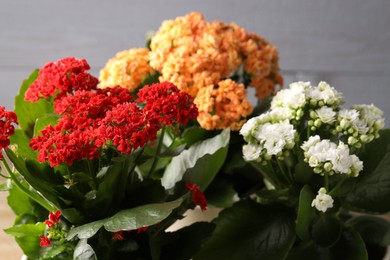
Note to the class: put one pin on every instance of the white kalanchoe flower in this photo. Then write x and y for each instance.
(276, 137)
(324, 94)
(293, 98)
(325, 156)
(251, 152)
(326, 115)
(249, 126)
(322, 201)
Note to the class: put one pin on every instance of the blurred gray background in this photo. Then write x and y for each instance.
(346, 43)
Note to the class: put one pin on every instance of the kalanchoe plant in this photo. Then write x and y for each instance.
(320, 166)
(88, 163)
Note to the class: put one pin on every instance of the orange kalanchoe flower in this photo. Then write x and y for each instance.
(224, 106)
(193, 53)
(127, 69)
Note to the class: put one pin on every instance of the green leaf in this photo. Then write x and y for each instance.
(199, 163)
(83, 251)
(54, 250)
(187, 241)
(30, 246)
(306, 213)
(19, 202)
(372, 189)
(21, 143)
(326, 229)
(194, 134)
(26, 230)
(220, 193)
(372, 229)
(303, 172)
(42, 122)
(28, 112)
(250, 231)
(129, 219)
(350, 246)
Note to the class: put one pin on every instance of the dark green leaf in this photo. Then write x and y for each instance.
(372, 189)
(19, 202)
(54, 250)
(350, 246)
(199, 163)
(187, 241)
(303, 172)
(220, 193)
(250, 231)
(194, 134)
(326, 229)
(306, 213)
(26, 230)
(372, 229)
(129, 219)
(30, 246)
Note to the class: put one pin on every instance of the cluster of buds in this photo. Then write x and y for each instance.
(54, 230)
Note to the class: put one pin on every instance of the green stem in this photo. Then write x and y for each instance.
(158, 150)
(34, 196)
(283, 171)
(326, 181)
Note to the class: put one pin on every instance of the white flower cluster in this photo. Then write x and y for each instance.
(361, 124)
(325, 156)
(266, 139)
(322, 201)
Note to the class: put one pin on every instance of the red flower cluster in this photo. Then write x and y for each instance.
(54, 218)
(7, 121)
(92, 120)
(167, 102)
(51, 222)
(197, 195)
(45, 241)
(64, 76)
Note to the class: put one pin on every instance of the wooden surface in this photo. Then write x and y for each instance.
(343, 42)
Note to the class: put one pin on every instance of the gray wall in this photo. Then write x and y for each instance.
(345, 42)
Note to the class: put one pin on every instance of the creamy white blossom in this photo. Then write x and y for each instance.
(326, 114)
(249, 126)
(251, 152)
(327, 157)
(293, 97)
(322, 201)
(324, 94)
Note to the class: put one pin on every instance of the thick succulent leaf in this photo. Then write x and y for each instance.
(128, 219)
(250, 231)
(199, 163)
(350, 246)
(26, 230)
(29, 112)
(306, 213)
(372, 189)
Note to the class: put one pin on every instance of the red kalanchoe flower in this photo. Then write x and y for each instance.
(65, 75)
(168, 103)
(45, 241)
(197, 195)
(7, 121)
(54, 218)
(118, 236)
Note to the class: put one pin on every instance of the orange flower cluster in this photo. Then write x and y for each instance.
(193, 53)
(222, 107)
(127, 69)
(198, 56)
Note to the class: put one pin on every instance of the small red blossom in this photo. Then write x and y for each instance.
(54, 218)
(197, 195)
(45, 241)
(65, 75)
(7, 121)
(118, 236)
(168, 103)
